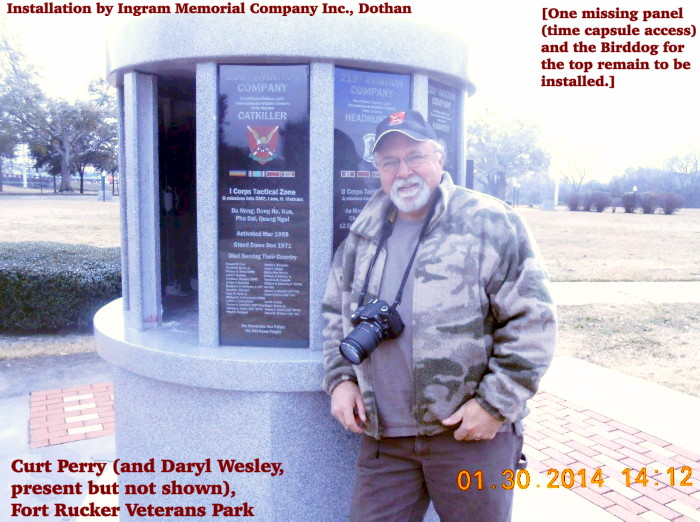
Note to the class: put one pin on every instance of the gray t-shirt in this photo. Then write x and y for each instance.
(392, 361)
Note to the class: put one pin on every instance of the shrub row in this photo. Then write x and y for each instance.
(649, 202)
(589, 201)
(46, 287)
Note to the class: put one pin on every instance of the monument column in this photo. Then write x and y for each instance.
(207, 203)
(123, 218)
(142, 199)
(320, 187)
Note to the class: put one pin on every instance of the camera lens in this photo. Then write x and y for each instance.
(361, 342)
(351, 351)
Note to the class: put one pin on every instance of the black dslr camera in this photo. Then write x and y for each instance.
(373, 323)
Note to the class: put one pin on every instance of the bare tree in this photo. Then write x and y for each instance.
(687, 171)
(576, 171)
(504, 150)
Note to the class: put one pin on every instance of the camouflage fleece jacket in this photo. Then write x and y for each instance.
(483, 321)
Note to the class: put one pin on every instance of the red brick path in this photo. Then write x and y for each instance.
(560, 435)
(70, 414)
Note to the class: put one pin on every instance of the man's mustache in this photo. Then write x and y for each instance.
(405, 182)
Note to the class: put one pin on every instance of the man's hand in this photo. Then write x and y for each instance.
(347, 406)
(477, 423)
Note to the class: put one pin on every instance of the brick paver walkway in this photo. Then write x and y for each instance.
(71, 414)
(561, 435)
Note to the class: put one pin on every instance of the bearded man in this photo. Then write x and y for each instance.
(439, 326)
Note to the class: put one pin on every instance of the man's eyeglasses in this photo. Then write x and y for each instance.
(392, 165)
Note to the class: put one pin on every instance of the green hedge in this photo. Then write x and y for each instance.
(46, 287)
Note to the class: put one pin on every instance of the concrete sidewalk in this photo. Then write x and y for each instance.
(19, 379)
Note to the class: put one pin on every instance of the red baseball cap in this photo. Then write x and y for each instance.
(410, 123)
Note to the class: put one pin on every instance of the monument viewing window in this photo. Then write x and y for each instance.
(177, 189)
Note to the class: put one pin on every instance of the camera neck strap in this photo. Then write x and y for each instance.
(387, 229)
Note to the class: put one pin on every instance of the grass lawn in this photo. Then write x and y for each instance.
(14, 346)
(657, 343)
(654, 342)
(587, 246)
(63, 219)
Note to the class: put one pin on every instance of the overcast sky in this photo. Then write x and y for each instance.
(647, 118)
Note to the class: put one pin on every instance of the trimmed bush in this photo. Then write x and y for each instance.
(587, 204)
(600, 201)
(629, 202)
(670, 202)
(573, 201)
(648, 202)
(46, 287)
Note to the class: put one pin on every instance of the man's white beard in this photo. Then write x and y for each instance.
(416, 199)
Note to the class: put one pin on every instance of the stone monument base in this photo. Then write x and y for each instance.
(183, 409)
